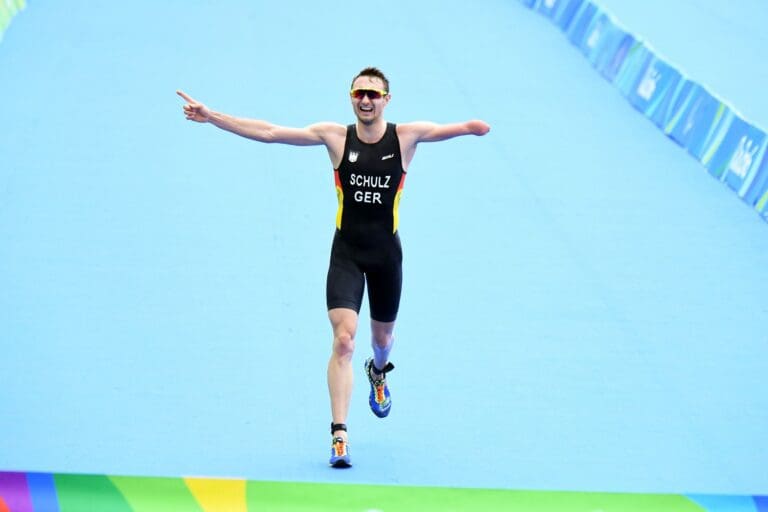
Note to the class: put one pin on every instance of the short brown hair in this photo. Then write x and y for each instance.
(373, 72)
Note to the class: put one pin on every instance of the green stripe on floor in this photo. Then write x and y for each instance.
(157, 494)
(311, 497)
(77, 493)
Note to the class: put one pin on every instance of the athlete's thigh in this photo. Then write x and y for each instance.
(385, 283)
(345, 282)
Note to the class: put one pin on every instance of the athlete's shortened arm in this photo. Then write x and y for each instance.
(411, 134)
(424, 131)
(258, 130)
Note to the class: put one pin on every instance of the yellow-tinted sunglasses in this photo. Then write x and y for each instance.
(373, 94)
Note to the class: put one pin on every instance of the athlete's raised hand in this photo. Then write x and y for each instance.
(193, 110)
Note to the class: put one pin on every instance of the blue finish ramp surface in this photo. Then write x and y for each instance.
(584, 307)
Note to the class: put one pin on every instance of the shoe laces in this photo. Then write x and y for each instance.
(339, 446)
(380, 386)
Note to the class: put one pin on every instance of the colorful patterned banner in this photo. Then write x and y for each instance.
(42, 492)
(731, 148)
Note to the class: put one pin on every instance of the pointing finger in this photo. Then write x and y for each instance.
(186, 98)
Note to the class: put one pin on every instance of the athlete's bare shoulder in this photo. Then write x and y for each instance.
(333, 136)
(328, 129)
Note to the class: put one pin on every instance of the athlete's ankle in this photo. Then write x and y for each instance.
(375, 375)
(339, 430)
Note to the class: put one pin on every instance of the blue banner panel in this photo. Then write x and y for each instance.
(602, 43)
(762, 206)
(754, 163)
(633, 68)
(678, 128)
(710, 130)
(582, 19)
(561, 12)
(672, 104)
(755, 189)
(597, 36)
(658, 81)
(611, 60)
(699, 116)
(736, 159)
(547, 7)
(565, 12)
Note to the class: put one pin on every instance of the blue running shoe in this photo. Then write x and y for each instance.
(379, 399)
(340, 453)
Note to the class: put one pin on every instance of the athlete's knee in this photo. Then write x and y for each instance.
(344, 322)
(382, 333)
(344, 344)
(382, 339)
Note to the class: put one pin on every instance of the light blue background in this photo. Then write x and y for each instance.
(584, 306)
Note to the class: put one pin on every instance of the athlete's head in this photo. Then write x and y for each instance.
(369, 94)
(372, 73)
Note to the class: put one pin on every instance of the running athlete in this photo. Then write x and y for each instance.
(370, 159)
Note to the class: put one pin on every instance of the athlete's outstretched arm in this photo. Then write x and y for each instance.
(261, 131)
(411, 134)
(423, 131)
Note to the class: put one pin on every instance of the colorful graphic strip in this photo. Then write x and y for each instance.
(732, 149)
(9, 9)
(43, 492)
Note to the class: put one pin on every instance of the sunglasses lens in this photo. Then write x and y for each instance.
(359, 94)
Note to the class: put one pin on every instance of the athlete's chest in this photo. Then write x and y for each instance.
(381, 158)
(370, 173)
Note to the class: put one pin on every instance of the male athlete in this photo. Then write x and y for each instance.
(370, 159)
